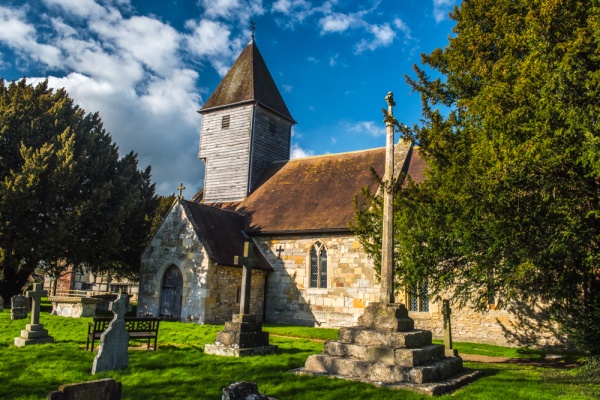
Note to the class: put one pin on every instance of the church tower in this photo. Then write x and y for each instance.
(245, 127)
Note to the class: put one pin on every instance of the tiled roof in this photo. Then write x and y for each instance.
(317, 193)
(221, 233)
(248, 80)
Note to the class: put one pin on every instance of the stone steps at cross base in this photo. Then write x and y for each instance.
(371, 337)
(385, 354)
(379, 372)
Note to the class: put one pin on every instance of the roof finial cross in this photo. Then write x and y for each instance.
(252, 28)
(180, 188)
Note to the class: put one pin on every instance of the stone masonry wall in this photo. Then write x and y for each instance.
(224, 284)
(517, 325)
(351, 281)
(175, 243)
(353, 284)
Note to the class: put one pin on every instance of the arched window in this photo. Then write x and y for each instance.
(318, 266)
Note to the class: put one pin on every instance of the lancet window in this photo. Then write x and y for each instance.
(318, 266)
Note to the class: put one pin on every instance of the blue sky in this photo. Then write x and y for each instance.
(148, 65)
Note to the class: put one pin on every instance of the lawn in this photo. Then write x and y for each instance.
(180, 370)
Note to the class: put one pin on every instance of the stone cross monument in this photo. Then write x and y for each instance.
(385, 348)
(246, 261)
(243, 336)
(34, 333)
(114, 342)
(386, 294)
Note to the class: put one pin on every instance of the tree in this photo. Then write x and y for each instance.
(510, 207)
(66, 198)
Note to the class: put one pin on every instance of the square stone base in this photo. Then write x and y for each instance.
(22, 342)
(232, 351)
(430, 389)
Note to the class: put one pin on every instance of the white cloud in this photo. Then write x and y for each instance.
(79, 8)
(441, 9)
(287, 88)
(21, 37)
(336, 23)
(240, 10)
(383, 36)
(299, 10)
(146, 40)
(369, 127)
(212, 40)
(403, 27)
(299, 152)
(333, 60)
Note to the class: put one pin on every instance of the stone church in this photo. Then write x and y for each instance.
(308, 267)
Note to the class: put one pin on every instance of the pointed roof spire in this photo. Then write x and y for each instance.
(252, 28)
(248, 80)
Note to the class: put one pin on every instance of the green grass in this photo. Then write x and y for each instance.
(180, 370)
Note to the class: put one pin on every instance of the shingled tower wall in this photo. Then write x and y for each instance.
(245, 127)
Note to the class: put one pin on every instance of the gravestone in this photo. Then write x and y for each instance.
(19, 307)
(244, 391)
(34, 333)
(113, 353)
(1, 303)
(385, 349)
(449, 351)
(243, 336)
(102, 389)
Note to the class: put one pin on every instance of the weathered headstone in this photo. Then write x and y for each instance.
(1, 303)
(34, 333)
(450, 352)
(243, 336)
(113, 353)
(19, 307)
(244, 391)
(102, 389)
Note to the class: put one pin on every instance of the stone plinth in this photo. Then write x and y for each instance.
(243, 336)
(386, 350)
(33, 334)
(74, 307)
(105, 389)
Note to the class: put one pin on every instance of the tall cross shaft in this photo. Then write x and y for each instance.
(386, 294)
(246, 262)
(36, 297)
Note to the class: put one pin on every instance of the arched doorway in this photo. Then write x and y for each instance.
(171, 294)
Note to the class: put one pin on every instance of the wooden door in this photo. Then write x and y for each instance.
(171, 294)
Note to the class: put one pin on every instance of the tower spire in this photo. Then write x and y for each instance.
(252, 28)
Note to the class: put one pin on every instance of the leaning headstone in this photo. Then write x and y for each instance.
(104, 389)
(114, 341)
(244, 391)
(34, 333)
(1, 303)
(19, 307)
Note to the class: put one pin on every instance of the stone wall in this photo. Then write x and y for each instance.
(175, 243)
(351, 281)
(516, 326)
(353, 284)
(224, 291)
(210, 291)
